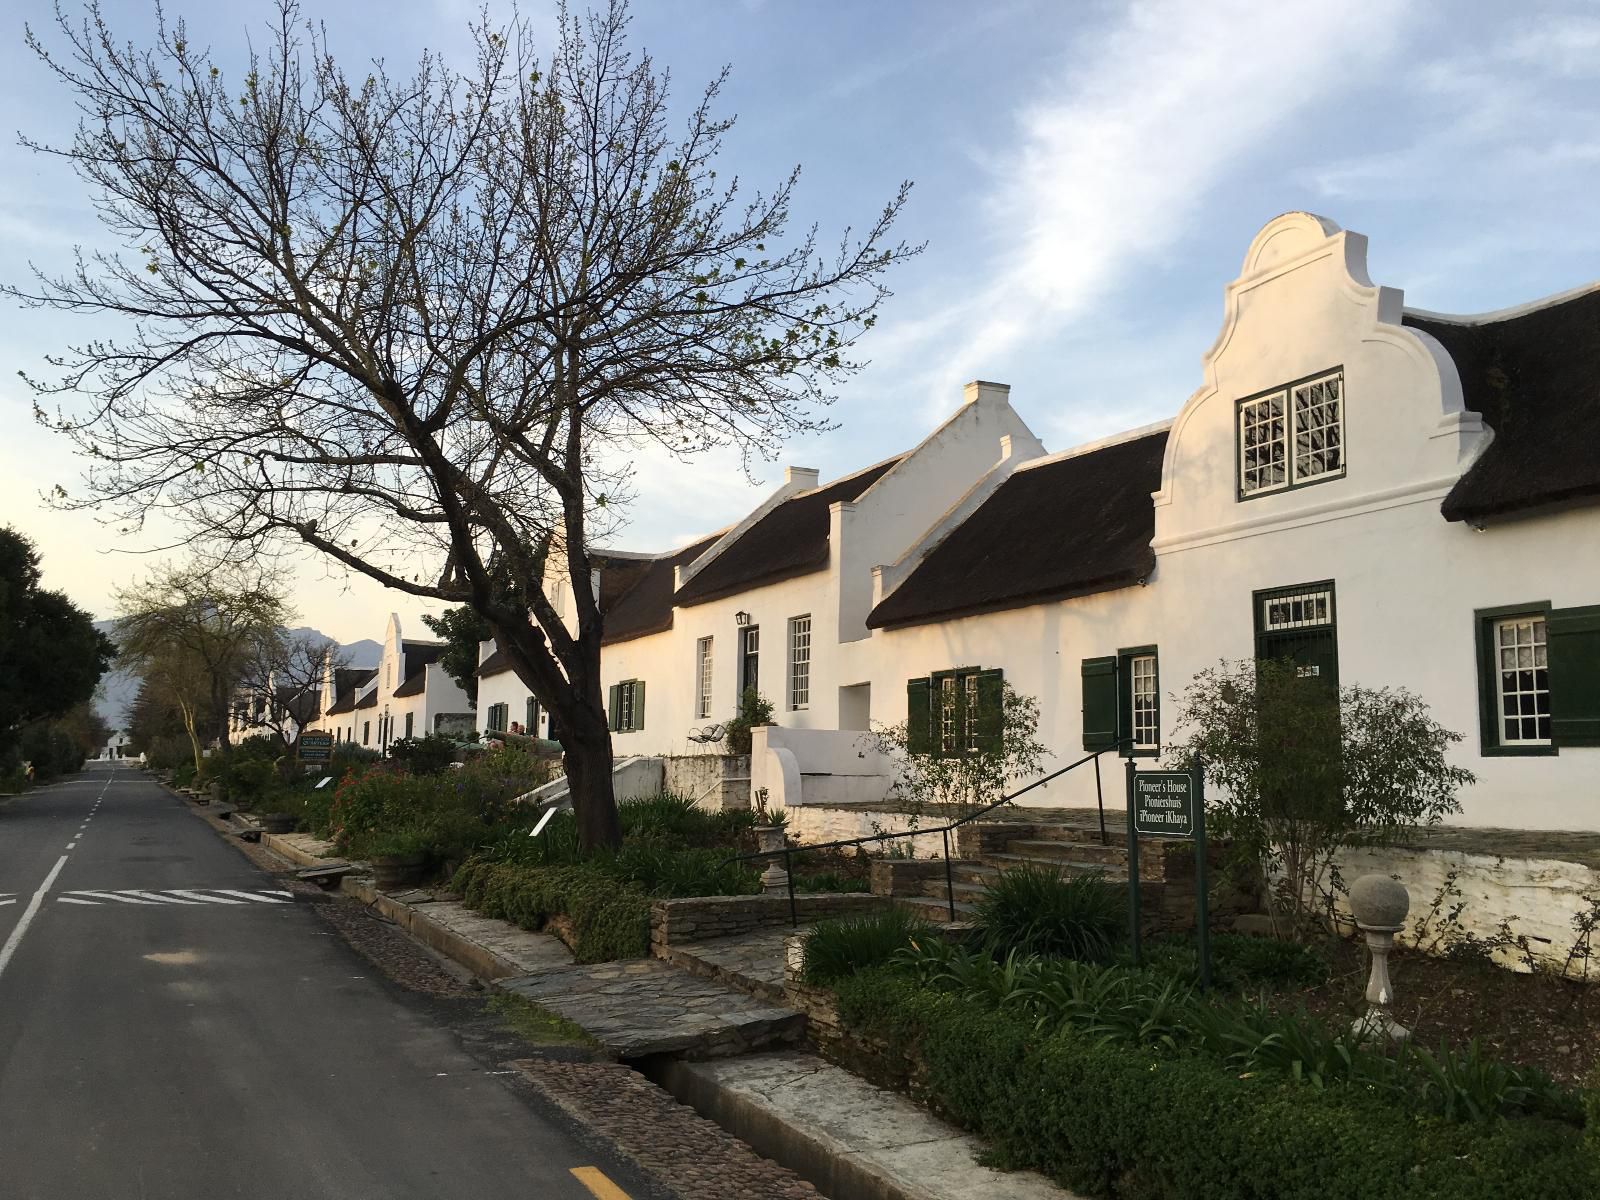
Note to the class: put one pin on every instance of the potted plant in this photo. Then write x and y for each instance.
(770, 839)
(399, 857)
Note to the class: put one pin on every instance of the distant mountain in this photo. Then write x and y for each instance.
(118, 688)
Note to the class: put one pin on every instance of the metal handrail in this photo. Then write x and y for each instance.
(788, 851)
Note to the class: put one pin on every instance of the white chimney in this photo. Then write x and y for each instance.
(803, 478)
(984, 392)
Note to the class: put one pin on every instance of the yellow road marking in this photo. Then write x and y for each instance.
(595, 1180)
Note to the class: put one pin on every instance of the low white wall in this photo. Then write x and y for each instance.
(631, 779)
(715, 781)
(811, 824)
(1536, 896)
(818, 766)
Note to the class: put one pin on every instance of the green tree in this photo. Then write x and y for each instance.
(957, 782)
(462, 628)
(51, 655)
(424, 324)
(193, 628)
(1298, 774)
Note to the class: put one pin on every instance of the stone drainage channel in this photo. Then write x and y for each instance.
(730, 1055)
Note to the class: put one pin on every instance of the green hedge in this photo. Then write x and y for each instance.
(1140, 1125)
(610, 919)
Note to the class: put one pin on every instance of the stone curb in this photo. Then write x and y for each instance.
(475, 957)
(852, 1140)
(283, 848)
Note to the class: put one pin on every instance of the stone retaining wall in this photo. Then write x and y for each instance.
(719, 782)
(701, 917)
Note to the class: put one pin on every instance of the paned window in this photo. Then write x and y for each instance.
(1523, 680)
(799, 661)
(409, 719)
(947, 714)
(969, 712)
(1293, 436)
(1301, 610)
(1146, 705)
(625, 706)
(702, 681)
(366, 733)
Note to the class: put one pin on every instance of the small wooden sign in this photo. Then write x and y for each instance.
(1163, 804)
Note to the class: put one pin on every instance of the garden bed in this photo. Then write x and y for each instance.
(1535, 1019)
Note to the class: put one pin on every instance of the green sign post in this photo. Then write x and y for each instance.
(316, 747)
(1169, 804)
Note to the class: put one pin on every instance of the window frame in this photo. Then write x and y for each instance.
(1127, 729)
(799, 696)
(630, 709)
(704, 650)
(1290, 480)
(1490, 730)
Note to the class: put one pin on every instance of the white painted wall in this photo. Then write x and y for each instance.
(1406, 581)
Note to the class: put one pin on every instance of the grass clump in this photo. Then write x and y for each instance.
(1035, 910)
(846, 946)
(536, 1024)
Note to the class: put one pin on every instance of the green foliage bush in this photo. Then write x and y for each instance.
(424, 755)
(1240, 962)
(845, 946)
(831, 881)
(1143, 1123)
(609, 919)
(754, 710)
(1151, 1009)
(1035, 910)
(666, 871)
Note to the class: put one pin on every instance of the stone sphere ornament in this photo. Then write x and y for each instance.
(1379, 905)
(1379, 902)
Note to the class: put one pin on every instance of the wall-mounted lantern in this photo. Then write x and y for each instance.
(741, 618)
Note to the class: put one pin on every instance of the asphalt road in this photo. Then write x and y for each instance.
(172, 1025)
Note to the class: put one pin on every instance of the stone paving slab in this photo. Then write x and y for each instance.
(845, 1135)
(752, 962)
(301, 848)
(644, 1006)
(528, 952)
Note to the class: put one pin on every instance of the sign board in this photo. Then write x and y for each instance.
(1163, 804)
(316, 747)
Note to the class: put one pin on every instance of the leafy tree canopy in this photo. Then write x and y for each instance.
(51, 655)
(462, 629)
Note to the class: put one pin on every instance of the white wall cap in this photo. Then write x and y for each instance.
(1116, 439)
(804, 478)
(981, 390)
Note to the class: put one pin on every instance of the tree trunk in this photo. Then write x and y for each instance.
(586, 746)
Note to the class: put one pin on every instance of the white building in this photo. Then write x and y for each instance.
(1388, 496)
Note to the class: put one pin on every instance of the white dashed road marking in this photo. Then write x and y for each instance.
(174, 896)
(7, 898)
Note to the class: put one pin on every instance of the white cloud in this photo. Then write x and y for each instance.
(1112, 162)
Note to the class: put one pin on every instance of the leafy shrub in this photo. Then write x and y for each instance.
(845, 945)
(1153, 1010)
(424, 755)
(183, 775)
(680, 821)
(754, 710)
(1144, 1124)
(608, 919)
(1240, 962)
(263, 746)
(248, 780)
(1035, 910)
(665, 872)
(831, 881)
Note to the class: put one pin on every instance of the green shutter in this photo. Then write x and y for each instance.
(991, 710)
(1574, 637)
(1100, 703)
(530, 717)
(638, 704)
(919, 716)
(613, 706)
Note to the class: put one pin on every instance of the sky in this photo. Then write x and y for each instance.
(1087, 178)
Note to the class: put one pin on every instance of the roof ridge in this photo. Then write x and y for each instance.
(1105, 443)
(1495, 316)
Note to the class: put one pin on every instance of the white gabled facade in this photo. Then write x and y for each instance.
(1293, 505)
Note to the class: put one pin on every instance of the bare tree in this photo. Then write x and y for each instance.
(194, 627)
(422, 324)
(281, 681)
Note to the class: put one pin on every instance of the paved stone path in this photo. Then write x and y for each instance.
(645, 1006)
(752, 962)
